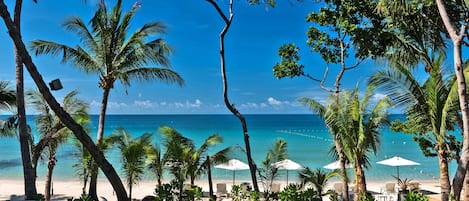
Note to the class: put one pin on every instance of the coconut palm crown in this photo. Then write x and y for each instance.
(109, 51)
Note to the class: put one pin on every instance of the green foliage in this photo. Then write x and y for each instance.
(164, 193)
(83, 197)
(294, 192)
(415, 196)
(237, 193)
(364, 196)
(268, 172)
(317, 178)
(7, 95)
(254, 196)
(288, 67)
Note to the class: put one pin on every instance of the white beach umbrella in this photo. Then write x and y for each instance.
(287, 164)
(397, 161)
(336, 165)
(233, 165)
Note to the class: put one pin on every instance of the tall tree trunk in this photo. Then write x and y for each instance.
(251, 163)
(28, 170)
(130, 191)
(466, 186)
(463, 104)
(48, 185)
(210, 183)
(343, 170)
(64, 117)
(93, 188)
(360, 183)
(444, 176)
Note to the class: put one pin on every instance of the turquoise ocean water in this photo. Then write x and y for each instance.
(307, 137)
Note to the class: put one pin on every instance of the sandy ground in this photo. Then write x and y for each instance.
(63, 190)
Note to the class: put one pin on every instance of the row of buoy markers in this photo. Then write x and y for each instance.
(304, 135)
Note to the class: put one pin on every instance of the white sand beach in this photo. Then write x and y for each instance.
(63, 190)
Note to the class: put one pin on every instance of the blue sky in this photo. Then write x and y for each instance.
(193, 29)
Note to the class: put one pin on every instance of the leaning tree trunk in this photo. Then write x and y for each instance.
(48, 185)
(457, 40)
(252, 164)
(93, 188)
(444, 176)
(64, 117)
(28, 170)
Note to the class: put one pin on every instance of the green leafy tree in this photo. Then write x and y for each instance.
(112, 53)
(78, 131)
(431, 109)
(356, 122)
(134, 155)
(52, 131)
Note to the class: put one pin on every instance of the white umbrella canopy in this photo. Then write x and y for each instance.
(336, 165)
(397, 161)
(233, 165)
(287, 164)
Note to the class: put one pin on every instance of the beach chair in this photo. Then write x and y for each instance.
(390, 191)
(338, 188)
(221, 191)
(414, 186)
(275, 188)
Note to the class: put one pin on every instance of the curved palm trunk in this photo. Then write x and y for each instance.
(444, 176)
(93, 188)
(463, 103)
(48, 185)
(252, 165)
(28, 170)
(64, 117)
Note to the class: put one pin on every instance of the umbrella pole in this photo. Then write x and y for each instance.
(287, 176)
(397, 174)
(234, 177)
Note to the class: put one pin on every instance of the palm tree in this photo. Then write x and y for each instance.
(24, 134)
(157, 163)
(52, 131)
(134, 155)
(317, 178)
(7, 100)
(431, 109)
(356, 126)
(276, 153)
(185, 160)
(109, 53)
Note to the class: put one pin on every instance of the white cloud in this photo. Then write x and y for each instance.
(378, 97)
(273, 101)
(145, 104)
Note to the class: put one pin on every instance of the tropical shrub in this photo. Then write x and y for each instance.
(237, 193)
(164, 193)
(293, 192)
(415, 196)
(364, 196)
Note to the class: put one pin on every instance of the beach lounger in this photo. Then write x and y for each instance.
(221, 190)
(414, 186)
(390, 191)
(275, 188)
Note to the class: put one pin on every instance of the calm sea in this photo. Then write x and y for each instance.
(307, 137)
